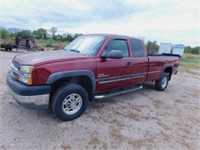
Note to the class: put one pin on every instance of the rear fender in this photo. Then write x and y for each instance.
(167, 68)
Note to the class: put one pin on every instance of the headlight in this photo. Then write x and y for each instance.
(26, 69)
(25, 75)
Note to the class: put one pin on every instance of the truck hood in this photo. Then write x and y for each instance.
(46, 57)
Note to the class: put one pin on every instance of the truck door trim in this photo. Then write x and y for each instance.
(120, 78)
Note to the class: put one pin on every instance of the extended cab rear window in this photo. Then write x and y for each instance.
(137, 48)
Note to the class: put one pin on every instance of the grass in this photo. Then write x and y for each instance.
(50, 43)
(190, 61)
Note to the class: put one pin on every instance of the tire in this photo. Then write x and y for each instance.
(162, 83)
(70, 102)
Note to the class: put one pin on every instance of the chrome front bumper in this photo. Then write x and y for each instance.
(31, 102)
(31, 97)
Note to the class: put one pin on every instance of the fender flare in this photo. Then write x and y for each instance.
(166, 66)
(64, 74)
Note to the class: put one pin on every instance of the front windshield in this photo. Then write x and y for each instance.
(86, 45)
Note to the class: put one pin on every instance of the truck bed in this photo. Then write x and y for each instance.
(156, 63)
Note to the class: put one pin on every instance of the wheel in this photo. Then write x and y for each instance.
(162, 83)
(69, 102)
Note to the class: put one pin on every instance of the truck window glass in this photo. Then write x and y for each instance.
(118, 44)
(86, 45)
(137, 48)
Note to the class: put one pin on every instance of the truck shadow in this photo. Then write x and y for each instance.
(47, 116)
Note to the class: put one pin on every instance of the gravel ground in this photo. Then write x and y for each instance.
(146, 119)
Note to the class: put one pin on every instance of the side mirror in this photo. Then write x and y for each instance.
(113, 54)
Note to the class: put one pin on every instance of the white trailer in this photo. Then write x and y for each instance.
(168, 48)
(178, 49)
(165, 48)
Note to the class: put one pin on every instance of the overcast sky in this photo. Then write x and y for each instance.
(165, 21)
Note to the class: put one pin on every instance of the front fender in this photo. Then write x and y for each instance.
(64, 74)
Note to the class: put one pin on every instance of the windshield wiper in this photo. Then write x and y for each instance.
(74, 50)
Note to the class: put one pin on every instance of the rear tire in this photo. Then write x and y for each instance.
(162, 83)
(70, 102)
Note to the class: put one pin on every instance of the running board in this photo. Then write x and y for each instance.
(118, 92)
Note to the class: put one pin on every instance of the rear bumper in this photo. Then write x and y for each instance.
(31, 97)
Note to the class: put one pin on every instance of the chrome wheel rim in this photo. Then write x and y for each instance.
(72, 104)
(164, 82)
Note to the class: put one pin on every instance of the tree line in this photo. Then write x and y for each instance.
(195, 50)
(42, 33)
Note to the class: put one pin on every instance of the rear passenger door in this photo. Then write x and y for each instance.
(140, 61)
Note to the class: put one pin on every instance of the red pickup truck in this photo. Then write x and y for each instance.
(91, 67)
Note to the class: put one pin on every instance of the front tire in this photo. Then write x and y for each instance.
(70, 102)
(162, 83)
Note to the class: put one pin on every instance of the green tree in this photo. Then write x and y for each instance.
(24, 33)
(4, 34)
(187, 49)
(58, 37)
(194, 50)
(69, 37)
(53, 30)
(40, 33)
(152, 47)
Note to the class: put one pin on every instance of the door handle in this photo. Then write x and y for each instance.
(129, 64)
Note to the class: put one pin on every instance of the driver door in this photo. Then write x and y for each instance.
(114, 73)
